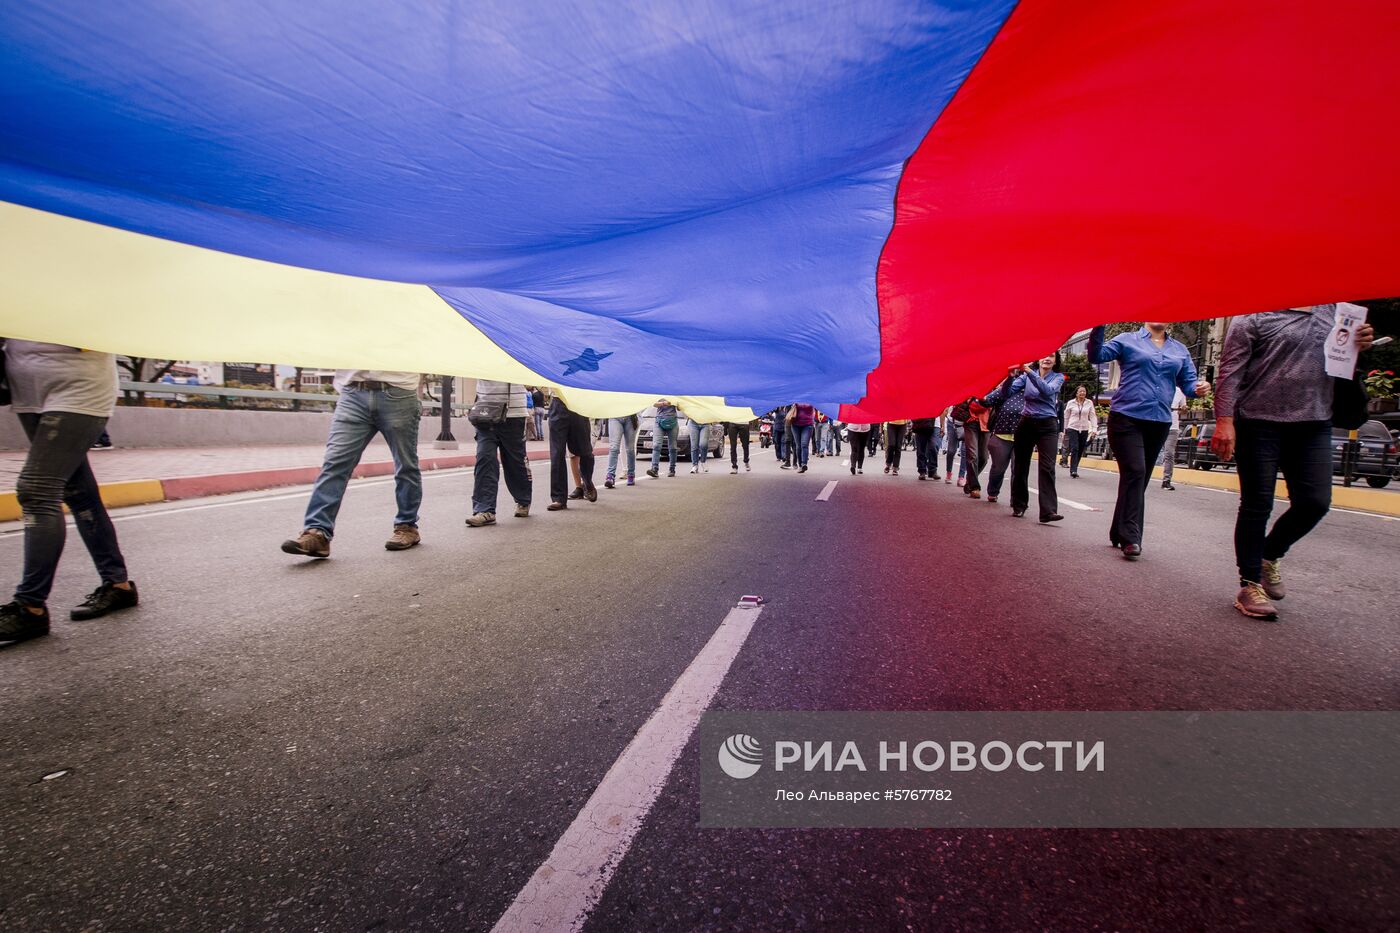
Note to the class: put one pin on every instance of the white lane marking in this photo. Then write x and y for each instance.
(569, 884)
(826, 492)
(1069, 502)
(118, 515)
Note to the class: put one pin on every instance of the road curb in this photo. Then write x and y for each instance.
(147, 491)
(1361, 500)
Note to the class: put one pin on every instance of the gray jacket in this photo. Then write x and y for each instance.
(488, 390)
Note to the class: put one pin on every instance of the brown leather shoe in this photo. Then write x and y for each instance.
(556, 506)
(403, 538)
(1254, 602)
(590, 493)
(310, 543)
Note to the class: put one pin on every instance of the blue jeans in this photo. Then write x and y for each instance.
(699, 453)
(670, 435)
(56, 472)
(1003, 454)
(359, 415)
(925, 456)
(802, 438)
(622, 432)
(500, 447)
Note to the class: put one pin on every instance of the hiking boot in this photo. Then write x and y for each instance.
(106, 598)
(1167, 484)
(653, 473)
(17, 623)
(522, 511)
(609, 481)
(1273, 580)
(482, 519)
(577, 493)
(1254, 602)
(590, 492)
(310, 543)
(403, 538)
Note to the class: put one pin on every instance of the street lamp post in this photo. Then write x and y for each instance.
(445, 440)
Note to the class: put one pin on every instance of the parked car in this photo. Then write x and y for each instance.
(1390, 420)
(1376, 457)
(646, 429)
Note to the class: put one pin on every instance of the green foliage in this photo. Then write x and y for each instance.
(1380, 383)
(1078, 372)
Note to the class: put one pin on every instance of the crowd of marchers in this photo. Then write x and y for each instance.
(1274, 408)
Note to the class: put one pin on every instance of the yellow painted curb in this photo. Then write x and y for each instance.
(114, 495)
(132, 492)
(1382, 502)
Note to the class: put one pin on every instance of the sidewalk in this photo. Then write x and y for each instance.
(134, 476)
(1360, 498)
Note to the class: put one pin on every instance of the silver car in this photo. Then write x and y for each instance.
(646, 431)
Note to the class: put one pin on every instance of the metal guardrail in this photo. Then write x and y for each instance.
(224, 394)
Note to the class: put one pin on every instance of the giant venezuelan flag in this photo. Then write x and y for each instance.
(871, 203)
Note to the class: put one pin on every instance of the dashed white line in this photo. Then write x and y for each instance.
(1069, 502)
(826, 492)
(569, 884)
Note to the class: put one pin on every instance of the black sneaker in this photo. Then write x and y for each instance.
(106, 598)
(577, 493)
(17, 623)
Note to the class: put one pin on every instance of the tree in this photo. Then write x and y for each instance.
(1078, 372)
(143, 369)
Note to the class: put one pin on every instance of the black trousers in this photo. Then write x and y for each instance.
(859, 441)
(1136, 445)
(1041, 436)
(55, 473)
(1303, 451)
(568, 434)
(1078, 444)
(894, 443)
(737, 433)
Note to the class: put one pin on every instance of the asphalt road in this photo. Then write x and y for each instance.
(396, 740)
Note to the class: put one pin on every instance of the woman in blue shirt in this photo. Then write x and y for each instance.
(1152, 366)
(1038, 430)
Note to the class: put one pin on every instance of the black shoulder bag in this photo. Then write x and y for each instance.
(1349, 403)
